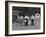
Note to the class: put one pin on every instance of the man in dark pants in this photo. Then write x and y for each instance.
(32, 20)
(26, 22)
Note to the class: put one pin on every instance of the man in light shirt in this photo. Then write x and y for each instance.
(32, 20)
(26, 20)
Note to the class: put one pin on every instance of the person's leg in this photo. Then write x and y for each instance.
(26, 22)
(32, 22)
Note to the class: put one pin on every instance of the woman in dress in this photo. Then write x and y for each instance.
(29, 21)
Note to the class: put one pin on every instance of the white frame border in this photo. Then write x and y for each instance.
(10, 18)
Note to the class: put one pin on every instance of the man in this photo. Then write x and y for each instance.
(32, 20)
(26, 20)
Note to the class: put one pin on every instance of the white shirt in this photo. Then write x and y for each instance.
(27, 17)
(32, 17)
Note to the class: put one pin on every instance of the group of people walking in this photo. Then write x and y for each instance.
(26, 20)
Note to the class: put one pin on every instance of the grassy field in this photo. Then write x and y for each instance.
(17, 26)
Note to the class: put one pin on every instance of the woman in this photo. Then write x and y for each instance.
(29, 21)
(21, 20)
